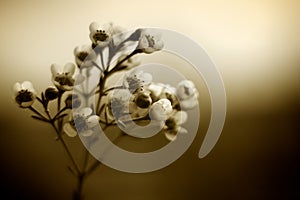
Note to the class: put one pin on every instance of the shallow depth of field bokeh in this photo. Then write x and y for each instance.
(255, 45)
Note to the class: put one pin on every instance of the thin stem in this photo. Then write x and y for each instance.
(59, 112)
(66, 148)
(37, 112)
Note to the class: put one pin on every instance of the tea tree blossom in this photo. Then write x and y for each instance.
(150, 42)
(84, 56)
(160, 110)
(136, 79)
(173, 125)
(63, 78)
(84, 121)
(187, 94)
(25, 94)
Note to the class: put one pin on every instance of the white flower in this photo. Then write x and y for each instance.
(187, 94)
(136, 79)
(24, 94)
(63, 80)
(102, 35)
(83, 121)
(160, 109)
(98, 35)
(150, 42)
(173, 125)
(119, 102)
(84, 56)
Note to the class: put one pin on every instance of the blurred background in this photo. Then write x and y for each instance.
(255, 44)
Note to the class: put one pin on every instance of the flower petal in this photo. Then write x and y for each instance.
(180, 117)
(146, 78)
(94, 26)
(189, 103)
(182, 130)
(55, 69)
(16, 88)
(69, 130)
(170, 136)
(87, 133)
(69, 68)
(27, 85)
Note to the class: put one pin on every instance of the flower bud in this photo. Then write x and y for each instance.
(160, 109)
(51, 93)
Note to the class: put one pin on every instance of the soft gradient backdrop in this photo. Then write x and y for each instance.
(254, 43)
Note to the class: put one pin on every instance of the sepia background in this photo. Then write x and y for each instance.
(255, 44)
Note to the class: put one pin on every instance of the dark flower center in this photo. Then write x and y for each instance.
(100, 35)
(64, 79)
(24, 96)
(82, 55)
(150, 40)
(170, 123)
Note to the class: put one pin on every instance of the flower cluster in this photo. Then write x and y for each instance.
(111, 50)
(139, 97)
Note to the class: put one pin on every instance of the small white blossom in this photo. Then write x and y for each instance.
(136, 79)
(150, 42)
(160, 110)
(84, 56)
(63, 79)
(83, 121)
(24, 93)
(187, 94)
(173, 125)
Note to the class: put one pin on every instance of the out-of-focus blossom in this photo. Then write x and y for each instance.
(136, 79)
(187, 94)
(24, 93)
(150, 42)
(173, 125)
(160, 90)
(83, 121)
(84, 56)
(160, 110)
(51, 93)
(63, 79)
